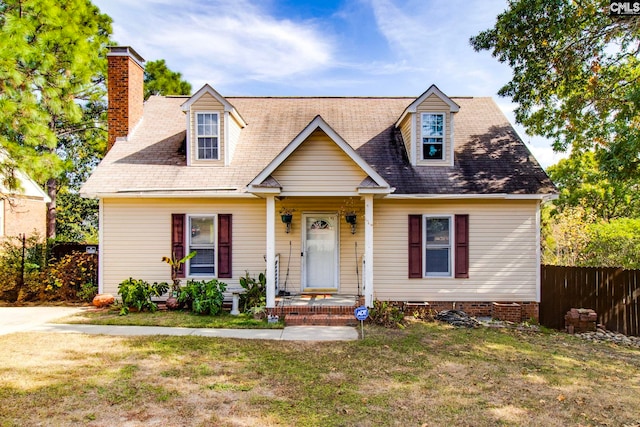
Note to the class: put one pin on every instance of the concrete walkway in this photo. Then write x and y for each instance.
(36, 319)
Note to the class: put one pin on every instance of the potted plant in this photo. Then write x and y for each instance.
(174, 263)
(286, 215)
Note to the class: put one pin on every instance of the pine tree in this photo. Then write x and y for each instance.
(160, 80)
(52, 72)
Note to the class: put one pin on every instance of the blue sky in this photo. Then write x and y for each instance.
(324, 47)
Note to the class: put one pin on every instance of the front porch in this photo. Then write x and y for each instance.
(317, 174)
(317, 309)
(317, 251)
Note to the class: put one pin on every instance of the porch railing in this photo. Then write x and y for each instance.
(277, 275)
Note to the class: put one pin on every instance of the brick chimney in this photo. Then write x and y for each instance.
(125, 79)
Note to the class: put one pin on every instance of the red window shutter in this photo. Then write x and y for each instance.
(415, 246)
(224, 245)
(462, 246)
(177, 239)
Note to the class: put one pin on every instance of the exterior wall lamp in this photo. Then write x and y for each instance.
(351, 219)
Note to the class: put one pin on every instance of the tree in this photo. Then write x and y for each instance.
(52, 69)
(614, 244)
(77, 219)
(576, 76)
(160, 80)
(564, 235)
(583, 184)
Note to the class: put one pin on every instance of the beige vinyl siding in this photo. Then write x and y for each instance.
(502, 252)
(502, 245)
(405, 130)
(137, 234)
(206, 104)
(348, 283)
(433, 104)
(319, 166)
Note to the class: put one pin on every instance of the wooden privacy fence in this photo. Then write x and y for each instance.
(614, 293)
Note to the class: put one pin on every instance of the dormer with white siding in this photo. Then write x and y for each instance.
(213, 128)
(427, 127)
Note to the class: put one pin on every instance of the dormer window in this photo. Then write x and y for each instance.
(433, 126)
(207, 135)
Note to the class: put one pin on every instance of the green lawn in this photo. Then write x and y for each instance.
(177, 318)
(425, 375)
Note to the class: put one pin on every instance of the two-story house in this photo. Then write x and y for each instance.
(445, 195)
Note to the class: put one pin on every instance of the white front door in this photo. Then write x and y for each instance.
(320, 252)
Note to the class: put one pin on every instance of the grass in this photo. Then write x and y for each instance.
(184, 319)
(425, 375)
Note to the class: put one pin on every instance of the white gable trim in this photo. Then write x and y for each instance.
(433, 90)
(319, 123)
(414, 144)
(452, 140)
(27, 187)
(227, 143)
(228, 107)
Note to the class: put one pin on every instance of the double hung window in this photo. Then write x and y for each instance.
(433, 136)
(438, 246)
(207, 135)
(202, 240)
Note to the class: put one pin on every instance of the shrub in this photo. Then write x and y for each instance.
(70, 278)
(204, 297)
(137, 294)
(73, 276)
(16, 283)
(87, 292)
(386, 314)
(255, 292)
(424, 314)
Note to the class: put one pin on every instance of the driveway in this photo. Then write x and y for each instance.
(19, 319)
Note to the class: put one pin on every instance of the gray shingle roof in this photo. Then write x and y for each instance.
(489, 156)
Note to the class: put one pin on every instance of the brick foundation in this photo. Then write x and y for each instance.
(508, 312)
(516, 312)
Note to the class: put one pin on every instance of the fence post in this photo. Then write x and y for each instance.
(24, 245)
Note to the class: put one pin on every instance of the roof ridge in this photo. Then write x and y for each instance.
(318, 97)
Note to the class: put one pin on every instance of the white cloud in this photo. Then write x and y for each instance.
(220, 41)
(433, 36)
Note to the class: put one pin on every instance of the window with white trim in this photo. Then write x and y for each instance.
(207, 136)
(202, 240)
(433, 125)
(437, 246)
